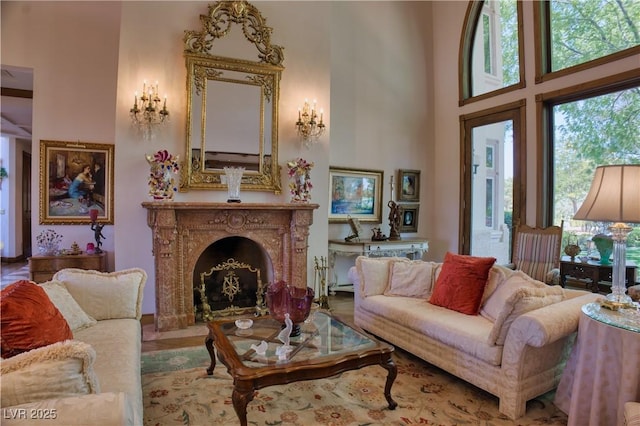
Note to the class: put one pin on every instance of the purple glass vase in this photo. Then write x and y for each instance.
(283, 298)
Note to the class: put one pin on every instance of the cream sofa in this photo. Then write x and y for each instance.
(516, 354)
(93, 379)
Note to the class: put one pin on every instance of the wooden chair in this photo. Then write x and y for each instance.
(536, 252)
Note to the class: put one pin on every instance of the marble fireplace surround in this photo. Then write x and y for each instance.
(183, 230)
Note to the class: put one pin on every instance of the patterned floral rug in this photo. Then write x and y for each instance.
(177, 391)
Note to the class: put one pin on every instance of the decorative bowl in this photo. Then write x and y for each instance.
(285, 299)
(244, 323)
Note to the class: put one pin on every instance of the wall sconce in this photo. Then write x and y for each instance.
(146, 113)
(309, 127)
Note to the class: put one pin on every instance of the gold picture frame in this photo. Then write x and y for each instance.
(355, 193)
(75, 178)
(409, 185)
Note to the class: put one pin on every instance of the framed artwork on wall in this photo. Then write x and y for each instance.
(75, 178)
(355, 193)
(409, 221)
(409, 185)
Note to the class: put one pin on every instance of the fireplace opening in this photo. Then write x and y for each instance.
(228, 276)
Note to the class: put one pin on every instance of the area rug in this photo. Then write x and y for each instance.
(177, 391)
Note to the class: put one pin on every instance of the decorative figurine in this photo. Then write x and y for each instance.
(97, 229)
(395, 220)
(378, 235)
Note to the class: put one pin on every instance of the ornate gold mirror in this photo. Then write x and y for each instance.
(232, 104)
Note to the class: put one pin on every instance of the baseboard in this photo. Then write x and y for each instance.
(17, 259)
(147, 319)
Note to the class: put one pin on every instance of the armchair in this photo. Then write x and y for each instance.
(536, 252)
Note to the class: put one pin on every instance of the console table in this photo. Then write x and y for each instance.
(412, 248)
(602, 371)
(42, 268)
(594, 273)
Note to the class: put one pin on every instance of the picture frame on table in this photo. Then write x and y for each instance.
(409, 221)
(355, 193)
(75, 178)
(409, 185)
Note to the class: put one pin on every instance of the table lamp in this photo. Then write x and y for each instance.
(614, 196)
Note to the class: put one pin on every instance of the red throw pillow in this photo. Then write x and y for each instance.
(29, 319)
(461, 283)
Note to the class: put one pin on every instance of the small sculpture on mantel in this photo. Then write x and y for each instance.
(395, 220)
(378, 235)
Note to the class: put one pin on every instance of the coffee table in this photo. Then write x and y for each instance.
(325, 347)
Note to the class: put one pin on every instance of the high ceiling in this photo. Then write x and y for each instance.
(15, 107)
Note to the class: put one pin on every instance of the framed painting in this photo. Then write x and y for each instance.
(355, 193)
(409, 185)
(75, 178)
(409, 218)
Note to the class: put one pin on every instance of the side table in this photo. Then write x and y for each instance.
(42, 268)
(413, 248)
(602, 371)
(594, 273)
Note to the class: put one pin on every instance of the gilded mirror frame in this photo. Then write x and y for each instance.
(205, 69)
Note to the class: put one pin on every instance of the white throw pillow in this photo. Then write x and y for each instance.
(497, 275)
(494, 304)
(67, 305)
(410, 279)
(58, 370)
(523, 300)
(374, 274)
(106, 295)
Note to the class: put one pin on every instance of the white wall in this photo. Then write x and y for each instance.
(367, 63)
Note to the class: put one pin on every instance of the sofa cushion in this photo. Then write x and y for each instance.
(106, 295)
(461, 283)
(29, 319)
(466, 333)
(495, 302)
(410, 278)
(58, 370)
(522, 300)
(497, 275)
(67, 305)
(374, 274)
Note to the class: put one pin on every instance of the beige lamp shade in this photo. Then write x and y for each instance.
(614, 195)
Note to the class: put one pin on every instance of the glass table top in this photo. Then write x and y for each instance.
(321, 337)
(626, 318)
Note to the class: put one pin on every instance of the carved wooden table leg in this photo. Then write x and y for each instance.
(393, 372)
(208, 342)
(241, 399)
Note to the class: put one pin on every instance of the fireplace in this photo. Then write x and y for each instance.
(183, 231)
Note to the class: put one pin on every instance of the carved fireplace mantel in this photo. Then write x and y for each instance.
(183, 230)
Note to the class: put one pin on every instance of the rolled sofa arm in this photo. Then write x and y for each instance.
(543, 326)
(109, 408)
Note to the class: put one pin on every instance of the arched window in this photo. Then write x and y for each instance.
(491, 49)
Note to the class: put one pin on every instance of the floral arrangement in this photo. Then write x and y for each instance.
(161, 183)
(300, 186)
(48, 241)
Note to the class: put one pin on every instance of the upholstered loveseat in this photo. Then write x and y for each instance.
(513, 343)
(86, 374)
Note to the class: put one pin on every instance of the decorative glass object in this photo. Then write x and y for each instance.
(572, 250)
(233, 179)
(604, 244)
(48, 242)
(285, 299)
(161, 181)
(300, 185)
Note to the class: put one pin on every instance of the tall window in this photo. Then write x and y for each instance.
(610, 136)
